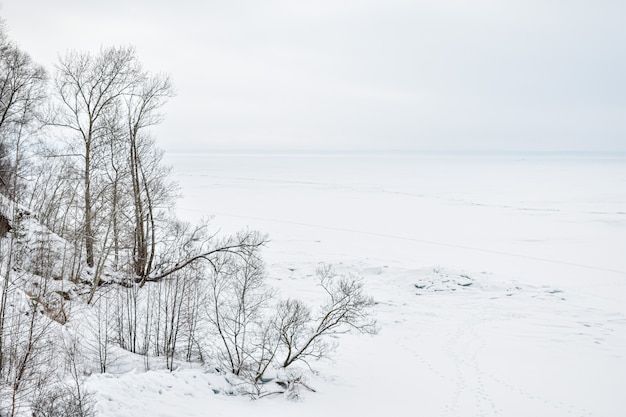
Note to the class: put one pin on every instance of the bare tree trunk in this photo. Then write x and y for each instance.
(24, 363)
(3, 301)
(89, 238)
(140, 247)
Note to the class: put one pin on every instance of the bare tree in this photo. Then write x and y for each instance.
(88, 87)
(238, 302)
(146, 172)
(347, 307)
(22, 90)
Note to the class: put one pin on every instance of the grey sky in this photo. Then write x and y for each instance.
(331, 74)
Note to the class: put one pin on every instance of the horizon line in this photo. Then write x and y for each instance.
(393, 152)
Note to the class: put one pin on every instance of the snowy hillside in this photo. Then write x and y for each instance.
(528, 333)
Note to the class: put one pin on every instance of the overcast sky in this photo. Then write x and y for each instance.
(534, 75)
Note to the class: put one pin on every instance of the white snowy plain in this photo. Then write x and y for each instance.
(500, 282)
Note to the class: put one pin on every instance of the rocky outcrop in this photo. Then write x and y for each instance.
(5, 226)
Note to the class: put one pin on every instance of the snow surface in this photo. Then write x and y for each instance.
(500, 283)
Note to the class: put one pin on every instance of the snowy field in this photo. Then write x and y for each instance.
(500, 282)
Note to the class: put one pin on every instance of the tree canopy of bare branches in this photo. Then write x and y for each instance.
(89, 88)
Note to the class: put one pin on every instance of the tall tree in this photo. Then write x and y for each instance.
(89, 87)
(148, 186)
(22, 90)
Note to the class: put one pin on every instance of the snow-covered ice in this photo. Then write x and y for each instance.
(500, 282)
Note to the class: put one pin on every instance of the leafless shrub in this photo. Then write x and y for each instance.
(249, 340)
(63, 400)
(69, 396)
(347, 307)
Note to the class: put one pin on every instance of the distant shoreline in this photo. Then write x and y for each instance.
(404, 154)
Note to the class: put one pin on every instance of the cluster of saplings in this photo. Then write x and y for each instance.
(93, 259)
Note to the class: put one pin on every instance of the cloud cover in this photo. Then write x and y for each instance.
(366, 75)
